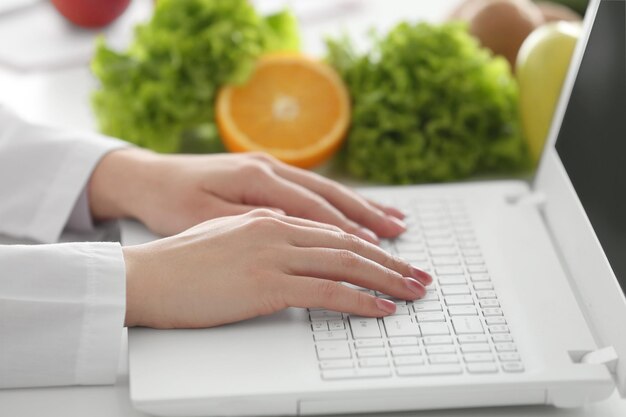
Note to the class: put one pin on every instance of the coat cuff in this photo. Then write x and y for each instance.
(104, 313)
(62, 310)
(68, 183)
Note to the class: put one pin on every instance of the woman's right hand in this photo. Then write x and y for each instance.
(234, 268)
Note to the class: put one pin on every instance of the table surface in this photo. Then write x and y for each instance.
(61, 97)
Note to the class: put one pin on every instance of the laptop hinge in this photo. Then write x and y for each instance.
(536, 198)
(605, 356)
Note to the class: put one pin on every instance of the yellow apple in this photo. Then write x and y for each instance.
(541, 68)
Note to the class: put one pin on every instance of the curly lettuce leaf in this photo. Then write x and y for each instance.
(160, 93)
(428, 105)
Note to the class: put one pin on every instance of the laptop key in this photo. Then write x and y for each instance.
(467, 253)
(476, 269)
(454, 300)
(446, 260)
(512, 367)
(356, 373)
(324, 315)
(472, 338)
(443, 359)
(364, 327)
(401, 309)
(467, 324)
(502, 337)
(367, 343)
(337, 364)
(333, 350)
(430, 316)
(495, 320)
(334, 335)
(440, 349)
(406, 248)
(476, 348)
(430, 296)
(480, 286)
(434, 329)
(449, 270)
(478, 357)
(319, 326)
(474, 260)
(486, 294)
(487, 312)
(482, 368)
(499, 328)
(489, 303)
(437, 340)
(455, 290)
(506, 347)
(468, 244)
(408, 360)
(509, 357)
(403, 341)
(336, 325)
(423, 306)
(405, 350)
(480, 277)
(450, 251)
(451, 280)
(373, 362)
(463, 311)
(371, 352)
(401, 326)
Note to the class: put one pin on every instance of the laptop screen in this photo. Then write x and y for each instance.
(592, 140)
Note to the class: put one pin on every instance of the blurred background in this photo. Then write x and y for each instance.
(438, 90)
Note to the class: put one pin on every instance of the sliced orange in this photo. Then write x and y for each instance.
(293, 107)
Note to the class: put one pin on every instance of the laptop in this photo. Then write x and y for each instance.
(526, 307)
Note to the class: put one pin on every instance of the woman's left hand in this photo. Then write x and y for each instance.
(170, 193)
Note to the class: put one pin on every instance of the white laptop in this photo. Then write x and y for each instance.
(526, 307)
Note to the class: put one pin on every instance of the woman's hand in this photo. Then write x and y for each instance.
(172, 193)
(239, 267)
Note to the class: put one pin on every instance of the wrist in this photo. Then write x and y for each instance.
(132, 290)
(115, 186)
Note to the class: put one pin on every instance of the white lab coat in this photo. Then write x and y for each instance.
(62, 306)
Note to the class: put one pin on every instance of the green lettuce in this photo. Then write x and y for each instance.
(160, 92)
(428, 105)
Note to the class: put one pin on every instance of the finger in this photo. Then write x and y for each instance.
(226, 208)
(308, 292)
(347, 201)
(298, 201)
(297, 221)
(344, 265)
(391, 211)
(305, 237)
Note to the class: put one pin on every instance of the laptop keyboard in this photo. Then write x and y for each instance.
(458, 327)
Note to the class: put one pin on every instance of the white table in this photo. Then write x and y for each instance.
(61, 98)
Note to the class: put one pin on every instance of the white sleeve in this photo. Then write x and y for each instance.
(62, 312)
(80, 219)
(43, 171)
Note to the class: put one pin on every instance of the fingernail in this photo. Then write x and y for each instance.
(388, 307)
(415, 287)
(397, 213)
(398, 225)
(369, 236)
(422, 276)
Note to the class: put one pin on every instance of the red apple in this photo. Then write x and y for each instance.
(91, 13)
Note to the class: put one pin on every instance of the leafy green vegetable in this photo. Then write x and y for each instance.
(428, 105)
(160, 92)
